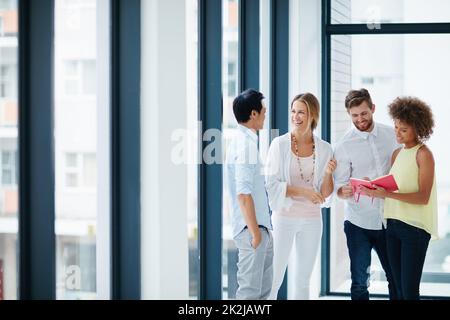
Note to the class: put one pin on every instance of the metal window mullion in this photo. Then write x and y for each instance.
(210, 117)
(249, 36)
(37, 264)
(326, 135)
(387, 28)
(125, 149)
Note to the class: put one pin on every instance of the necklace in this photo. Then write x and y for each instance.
(297, 154)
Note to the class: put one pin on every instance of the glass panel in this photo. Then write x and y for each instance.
(192, 146)
(71, 87)
(71, 160)
(6, 177)
(76, 134)
(391, 66)
(374, 12)
(230, 67)
(71, 68)
(89, 78)
(6, 158)
(8, 148)
(71, 180)
(90, 171)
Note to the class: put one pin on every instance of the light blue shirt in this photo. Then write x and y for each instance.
(245, 175)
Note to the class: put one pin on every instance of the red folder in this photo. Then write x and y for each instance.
(387, 182)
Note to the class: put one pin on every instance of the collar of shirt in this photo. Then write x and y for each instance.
(364, 134)
(253, 136)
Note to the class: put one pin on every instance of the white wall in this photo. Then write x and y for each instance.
(164, 246)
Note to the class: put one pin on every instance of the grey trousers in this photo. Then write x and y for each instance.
(255, 266)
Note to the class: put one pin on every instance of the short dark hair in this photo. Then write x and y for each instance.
(356, 97)
(415, 113)
(245, 103)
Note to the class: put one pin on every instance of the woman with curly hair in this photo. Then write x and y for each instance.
(411, 212)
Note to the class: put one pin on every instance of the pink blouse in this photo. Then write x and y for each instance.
(302, 207)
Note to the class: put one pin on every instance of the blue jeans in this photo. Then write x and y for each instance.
(360, 243)
(407, 247)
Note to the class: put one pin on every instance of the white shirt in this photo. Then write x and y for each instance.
(278, 171)
(364, 154)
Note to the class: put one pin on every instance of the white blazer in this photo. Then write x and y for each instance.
(277, 170)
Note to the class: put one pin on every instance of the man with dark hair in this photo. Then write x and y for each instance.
(249, 206)
(244, 103)
(364, 152)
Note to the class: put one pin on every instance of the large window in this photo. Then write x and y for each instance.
(230, 59)
(192, 146)
(390, 66)
(80, 117)
(9, 171)
(373, 12)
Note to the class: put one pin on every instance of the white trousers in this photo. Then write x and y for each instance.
(304, 234)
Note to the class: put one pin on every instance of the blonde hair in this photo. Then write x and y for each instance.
(312, 105)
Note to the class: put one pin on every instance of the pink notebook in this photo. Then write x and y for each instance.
(387, 182)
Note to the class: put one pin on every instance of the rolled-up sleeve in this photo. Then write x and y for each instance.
(245, 169)
(245, 174)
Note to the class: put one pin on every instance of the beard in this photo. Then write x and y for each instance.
(365, 126)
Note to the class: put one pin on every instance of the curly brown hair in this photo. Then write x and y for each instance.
(415, 113)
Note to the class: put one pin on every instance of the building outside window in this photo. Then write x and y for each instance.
(9, 166)
(79, 90)
(79, 77)
(80, 170)
(192, 146)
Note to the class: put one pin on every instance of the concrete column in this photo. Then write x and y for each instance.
(164, 239)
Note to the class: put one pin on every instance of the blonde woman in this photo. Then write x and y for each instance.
(299, 182)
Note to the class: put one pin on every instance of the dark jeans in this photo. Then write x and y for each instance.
(360, 243)
(407, 247)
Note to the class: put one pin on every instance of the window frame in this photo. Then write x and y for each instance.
(37, 240)
(329, 30)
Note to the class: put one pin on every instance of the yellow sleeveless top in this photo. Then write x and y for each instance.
(406, 174)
